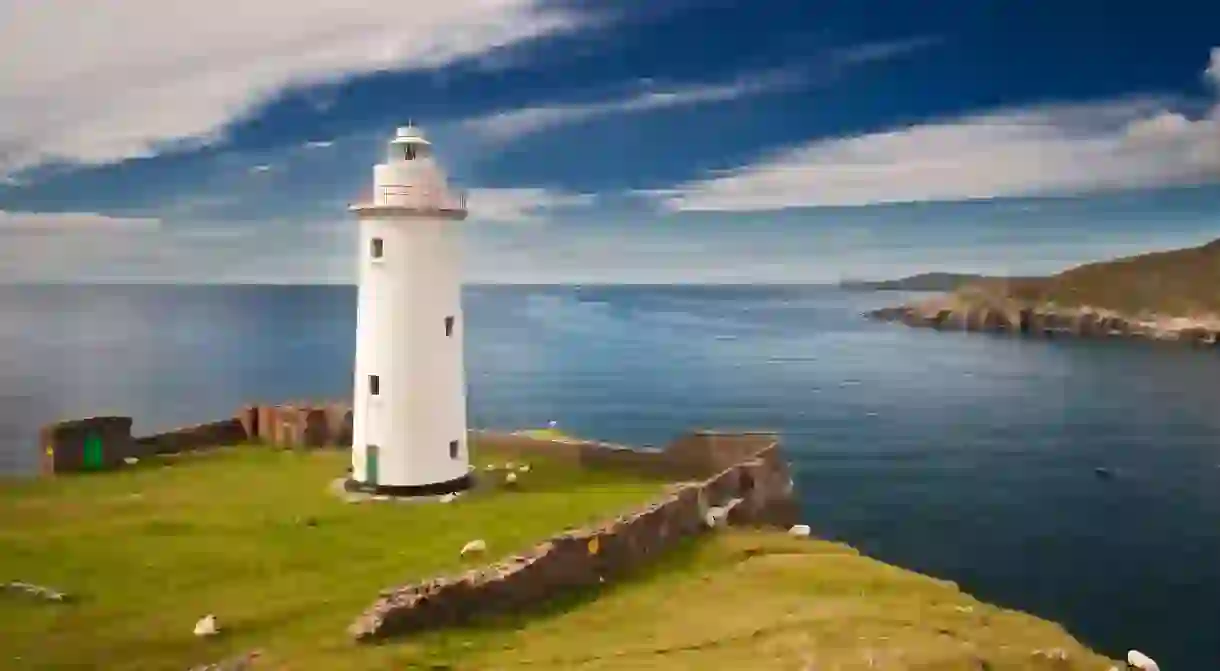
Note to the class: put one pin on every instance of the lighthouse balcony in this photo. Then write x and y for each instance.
(414, 198)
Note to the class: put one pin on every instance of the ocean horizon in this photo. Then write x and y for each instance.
(967, 457)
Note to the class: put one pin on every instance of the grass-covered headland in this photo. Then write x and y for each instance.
(255, 536)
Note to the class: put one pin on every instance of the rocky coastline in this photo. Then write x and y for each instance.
(954, 314)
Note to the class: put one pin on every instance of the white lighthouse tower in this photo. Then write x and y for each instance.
(409, 410)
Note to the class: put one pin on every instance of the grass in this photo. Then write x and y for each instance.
(1180, 283)
(760, 601)
(151, 550)
(253, 535)
(549, 433)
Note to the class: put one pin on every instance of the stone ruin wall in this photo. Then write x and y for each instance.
(757, 490)
(63, 444)
(329, 424)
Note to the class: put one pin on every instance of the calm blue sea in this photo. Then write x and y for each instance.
(967, 457)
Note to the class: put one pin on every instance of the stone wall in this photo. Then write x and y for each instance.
(756, 490)
(73, 445)
(191, 438)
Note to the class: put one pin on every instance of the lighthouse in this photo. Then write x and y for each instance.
(409, 408)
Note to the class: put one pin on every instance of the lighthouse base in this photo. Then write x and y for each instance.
(408, 491)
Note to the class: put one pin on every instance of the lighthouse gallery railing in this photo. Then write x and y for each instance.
(418, 197)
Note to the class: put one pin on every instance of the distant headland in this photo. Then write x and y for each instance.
(920, 282)
(1161, 296)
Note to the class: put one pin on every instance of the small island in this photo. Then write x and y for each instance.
(1171, 296)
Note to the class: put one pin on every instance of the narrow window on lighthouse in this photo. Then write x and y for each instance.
(374, 385)
(449, 326)
(453, 449)
(377, 248)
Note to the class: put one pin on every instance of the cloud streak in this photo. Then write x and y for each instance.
(874, 52)
(521, 204)
(79, 222)
(97, 83)
(511, 124)
(1042, 150)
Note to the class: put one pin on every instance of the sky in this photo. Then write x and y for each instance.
(638, 141)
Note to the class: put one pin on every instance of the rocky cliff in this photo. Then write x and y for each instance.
(1164, 296)
(997, 315)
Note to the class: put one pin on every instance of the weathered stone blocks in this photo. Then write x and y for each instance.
(752, 488)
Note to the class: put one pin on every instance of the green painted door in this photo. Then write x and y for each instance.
(370, 464)
(93, 453)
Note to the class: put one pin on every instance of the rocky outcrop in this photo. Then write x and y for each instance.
(1047, 321)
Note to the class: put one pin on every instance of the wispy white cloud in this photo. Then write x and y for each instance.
(88, 247)
(524, 121)
(873, 52)
(514, 123)
(319, 144)
(796, 246)
(79, 222)
(95, 83)
(522, 204)
(1042, 150)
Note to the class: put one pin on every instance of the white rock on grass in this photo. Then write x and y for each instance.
(39, 591)
(510, 479)
(477, 546)
(523, 468)
(207, 626)
(509, 466)
(800, 530)
(1140, 661)
(716, 516)
(448, 498)
(131, 461)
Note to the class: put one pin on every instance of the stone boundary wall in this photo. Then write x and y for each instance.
(695, 455)
(72, 445)
(757, 490)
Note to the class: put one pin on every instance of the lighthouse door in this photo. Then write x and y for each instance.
(370, 464)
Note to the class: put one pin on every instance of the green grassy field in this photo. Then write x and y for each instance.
(253, 535)
(761, 601)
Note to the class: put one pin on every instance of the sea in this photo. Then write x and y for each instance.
(972, 458)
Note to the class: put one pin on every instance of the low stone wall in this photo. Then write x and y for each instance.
(299, 424)
(757, 490)
(191, 438)
(75, 445)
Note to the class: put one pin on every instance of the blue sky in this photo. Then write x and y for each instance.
(633, 141)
